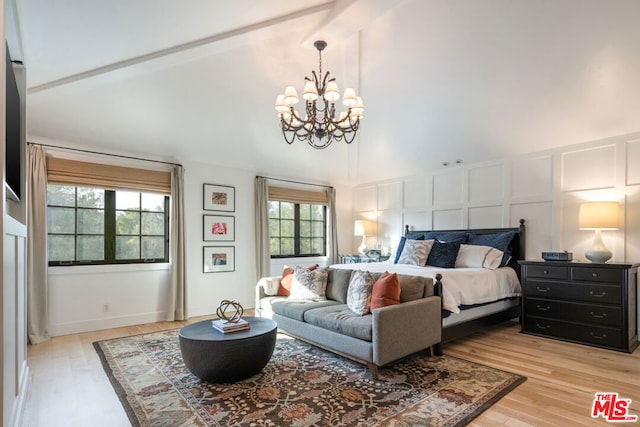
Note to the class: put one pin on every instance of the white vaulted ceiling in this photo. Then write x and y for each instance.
(441, 80)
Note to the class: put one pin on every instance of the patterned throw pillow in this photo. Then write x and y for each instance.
(284, 288)
(359, 293)
(309, 285)
(415, 252)
(386, 291)
(443, 255)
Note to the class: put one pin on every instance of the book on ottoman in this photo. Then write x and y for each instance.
(226, 327)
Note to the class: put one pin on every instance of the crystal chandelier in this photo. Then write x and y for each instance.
(319, 127)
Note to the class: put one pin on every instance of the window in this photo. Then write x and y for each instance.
(297, 229)
(96, 226)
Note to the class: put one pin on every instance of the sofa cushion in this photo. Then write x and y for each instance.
(386, 291)
(412, 287)
(359, 293)
(284, 289)
(339, 318)
(338, 284)
(296, 309)
(309, 285)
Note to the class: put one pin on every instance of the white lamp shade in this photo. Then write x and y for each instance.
(290, 96)
(363, 228)
(281, 107)
(331, 92)
(599, 216)
(310, 92)
(349, 97)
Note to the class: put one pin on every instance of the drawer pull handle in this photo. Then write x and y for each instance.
(599, 337)
(545, 271)
(600, 295)
(541, 308)
(542, 289)
(594, 274)
(543, 326)
(598, 316)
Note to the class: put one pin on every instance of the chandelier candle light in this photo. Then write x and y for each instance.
(319, 127)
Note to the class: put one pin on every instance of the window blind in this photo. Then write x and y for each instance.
(73, 172)
(294, 195)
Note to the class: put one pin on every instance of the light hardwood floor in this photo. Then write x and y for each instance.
(68, 387)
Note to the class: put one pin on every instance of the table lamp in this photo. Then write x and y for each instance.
(598, 216)
(362, 228)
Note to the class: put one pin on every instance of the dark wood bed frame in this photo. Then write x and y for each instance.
(460, 330)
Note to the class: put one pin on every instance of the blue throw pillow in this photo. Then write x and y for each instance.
(443, 254)
(411, 236)
(500, 241)
(446, 236)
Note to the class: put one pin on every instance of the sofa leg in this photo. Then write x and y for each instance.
(438, 349)
(373, 368)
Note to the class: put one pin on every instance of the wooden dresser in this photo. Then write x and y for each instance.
(586, 303)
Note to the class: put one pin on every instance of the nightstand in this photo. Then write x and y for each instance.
(355, 258)
(586, 303)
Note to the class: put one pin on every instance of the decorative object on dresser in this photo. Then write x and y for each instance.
(599, 216)
(592, 304)
(319, 125)
(557, 256)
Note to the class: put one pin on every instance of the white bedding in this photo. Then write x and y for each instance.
(460, 286)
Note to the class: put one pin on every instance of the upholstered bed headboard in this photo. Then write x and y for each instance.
(517, 244)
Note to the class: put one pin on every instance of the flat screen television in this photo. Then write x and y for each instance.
(13, 131)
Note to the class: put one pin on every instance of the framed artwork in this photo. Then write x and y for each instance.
(216, 259)
(218, 228)
(219, 198)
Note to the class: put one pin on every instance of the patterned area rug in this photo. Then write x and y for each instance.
(302, 385)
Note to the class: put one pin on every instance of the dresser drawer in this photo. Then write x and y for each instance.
(548, 271)
(595, 274)
(599, 335)
(599, 294)
(577, 312)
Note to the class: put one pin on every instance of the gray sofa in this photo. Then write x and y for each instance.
(376, 339)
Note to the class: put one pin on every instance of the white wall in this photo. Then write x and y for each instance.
(544, 188)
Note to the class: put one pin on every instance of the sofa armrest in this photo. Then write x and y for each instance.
(266, 286)
(403, 329)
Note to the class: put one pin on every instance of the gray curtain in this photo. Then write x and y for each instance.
(332, 227)
(263, 248)
(177, 309)
(37, 286)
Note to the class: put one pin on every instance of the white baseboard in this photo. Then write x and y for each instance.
(18, 408)
(106, 323)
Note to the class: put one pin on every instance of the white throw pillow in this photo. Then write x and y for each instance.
(359, 293)
(309, 285)
(478, 256)
(415, 252)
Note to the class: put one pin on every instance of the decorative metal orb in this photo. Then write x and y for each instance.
(225, 305)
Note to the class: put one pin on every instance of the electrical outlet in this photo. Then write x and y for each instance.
(105, 308)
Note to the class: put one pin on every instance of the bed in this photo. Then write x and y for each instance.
(474, 294)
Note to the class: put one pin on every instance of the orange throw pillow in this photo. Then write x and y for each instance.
(284, 289)
(386, 291)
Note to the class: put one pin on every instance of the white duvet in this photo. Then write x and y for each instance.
(460, 286)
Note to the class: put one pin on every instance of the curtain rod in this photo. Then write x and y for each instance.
(295, 182)
(103, 154)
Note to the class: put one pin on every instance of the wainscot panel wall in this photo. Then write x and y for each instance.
(544, 188)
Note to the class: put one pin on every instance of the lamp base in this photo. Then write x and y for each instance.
(598, 252)
(362, 249)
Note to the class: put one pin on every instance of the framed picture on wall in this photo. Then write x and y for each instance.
(217, 259)
(219, 198)
(218, 228)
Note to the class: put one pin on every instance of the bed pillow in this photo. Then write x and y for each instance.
(500, 241)
(386, 291)
(309, 285)
(415, 252)
(284, 288)
(402, 242)
(478, 256)
(359, 294)
(443, 254)
(446, 236)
